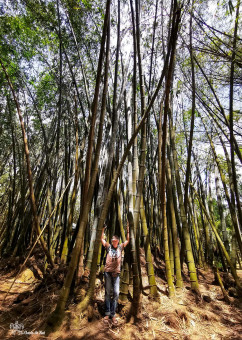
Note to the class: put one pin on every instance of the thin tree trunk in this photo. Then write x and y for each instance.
(179, 282)
(221, 211)
(231, 119)
(185, 230)
(188, 170)
(176, 12)
(148, 255)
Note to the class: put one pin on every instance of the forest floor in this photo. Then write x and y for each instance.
(188, 316)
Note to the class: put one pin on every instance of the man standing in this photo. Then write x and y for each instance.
(111, 274)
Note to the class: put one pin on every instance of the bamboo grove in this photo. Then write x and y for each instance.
(116, 110)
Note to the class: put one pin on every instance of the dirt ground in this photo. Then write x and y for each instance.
(188, 316)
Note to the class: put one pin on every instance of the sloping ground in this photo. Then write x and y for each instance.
(188, 316)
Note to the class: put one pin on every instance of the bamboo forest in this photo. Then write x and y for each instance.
(120, 169)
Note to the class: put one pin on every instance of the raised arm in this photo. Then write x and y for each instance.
(102, 237)
(127, 238)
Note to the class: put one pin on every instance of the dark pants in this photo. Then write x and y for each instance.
(111, 284)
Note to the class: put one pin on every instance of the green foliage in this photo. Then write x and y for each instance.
(46, 89)
(4, 180)
(154, 132)
(178, 87)
(17, 37)
(216, 214)
(187, 115)
(228, 222)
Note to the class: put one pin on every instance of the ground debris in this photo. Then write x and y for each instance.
(187, 316)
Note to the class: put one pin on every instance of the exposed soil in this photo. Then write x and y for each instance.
(187, 316)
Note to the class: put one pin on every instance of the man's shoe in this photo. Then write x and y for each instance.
(106, 320)
(114, 321)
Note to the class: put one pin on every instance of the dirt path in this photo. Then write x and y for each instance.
(188, 316)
